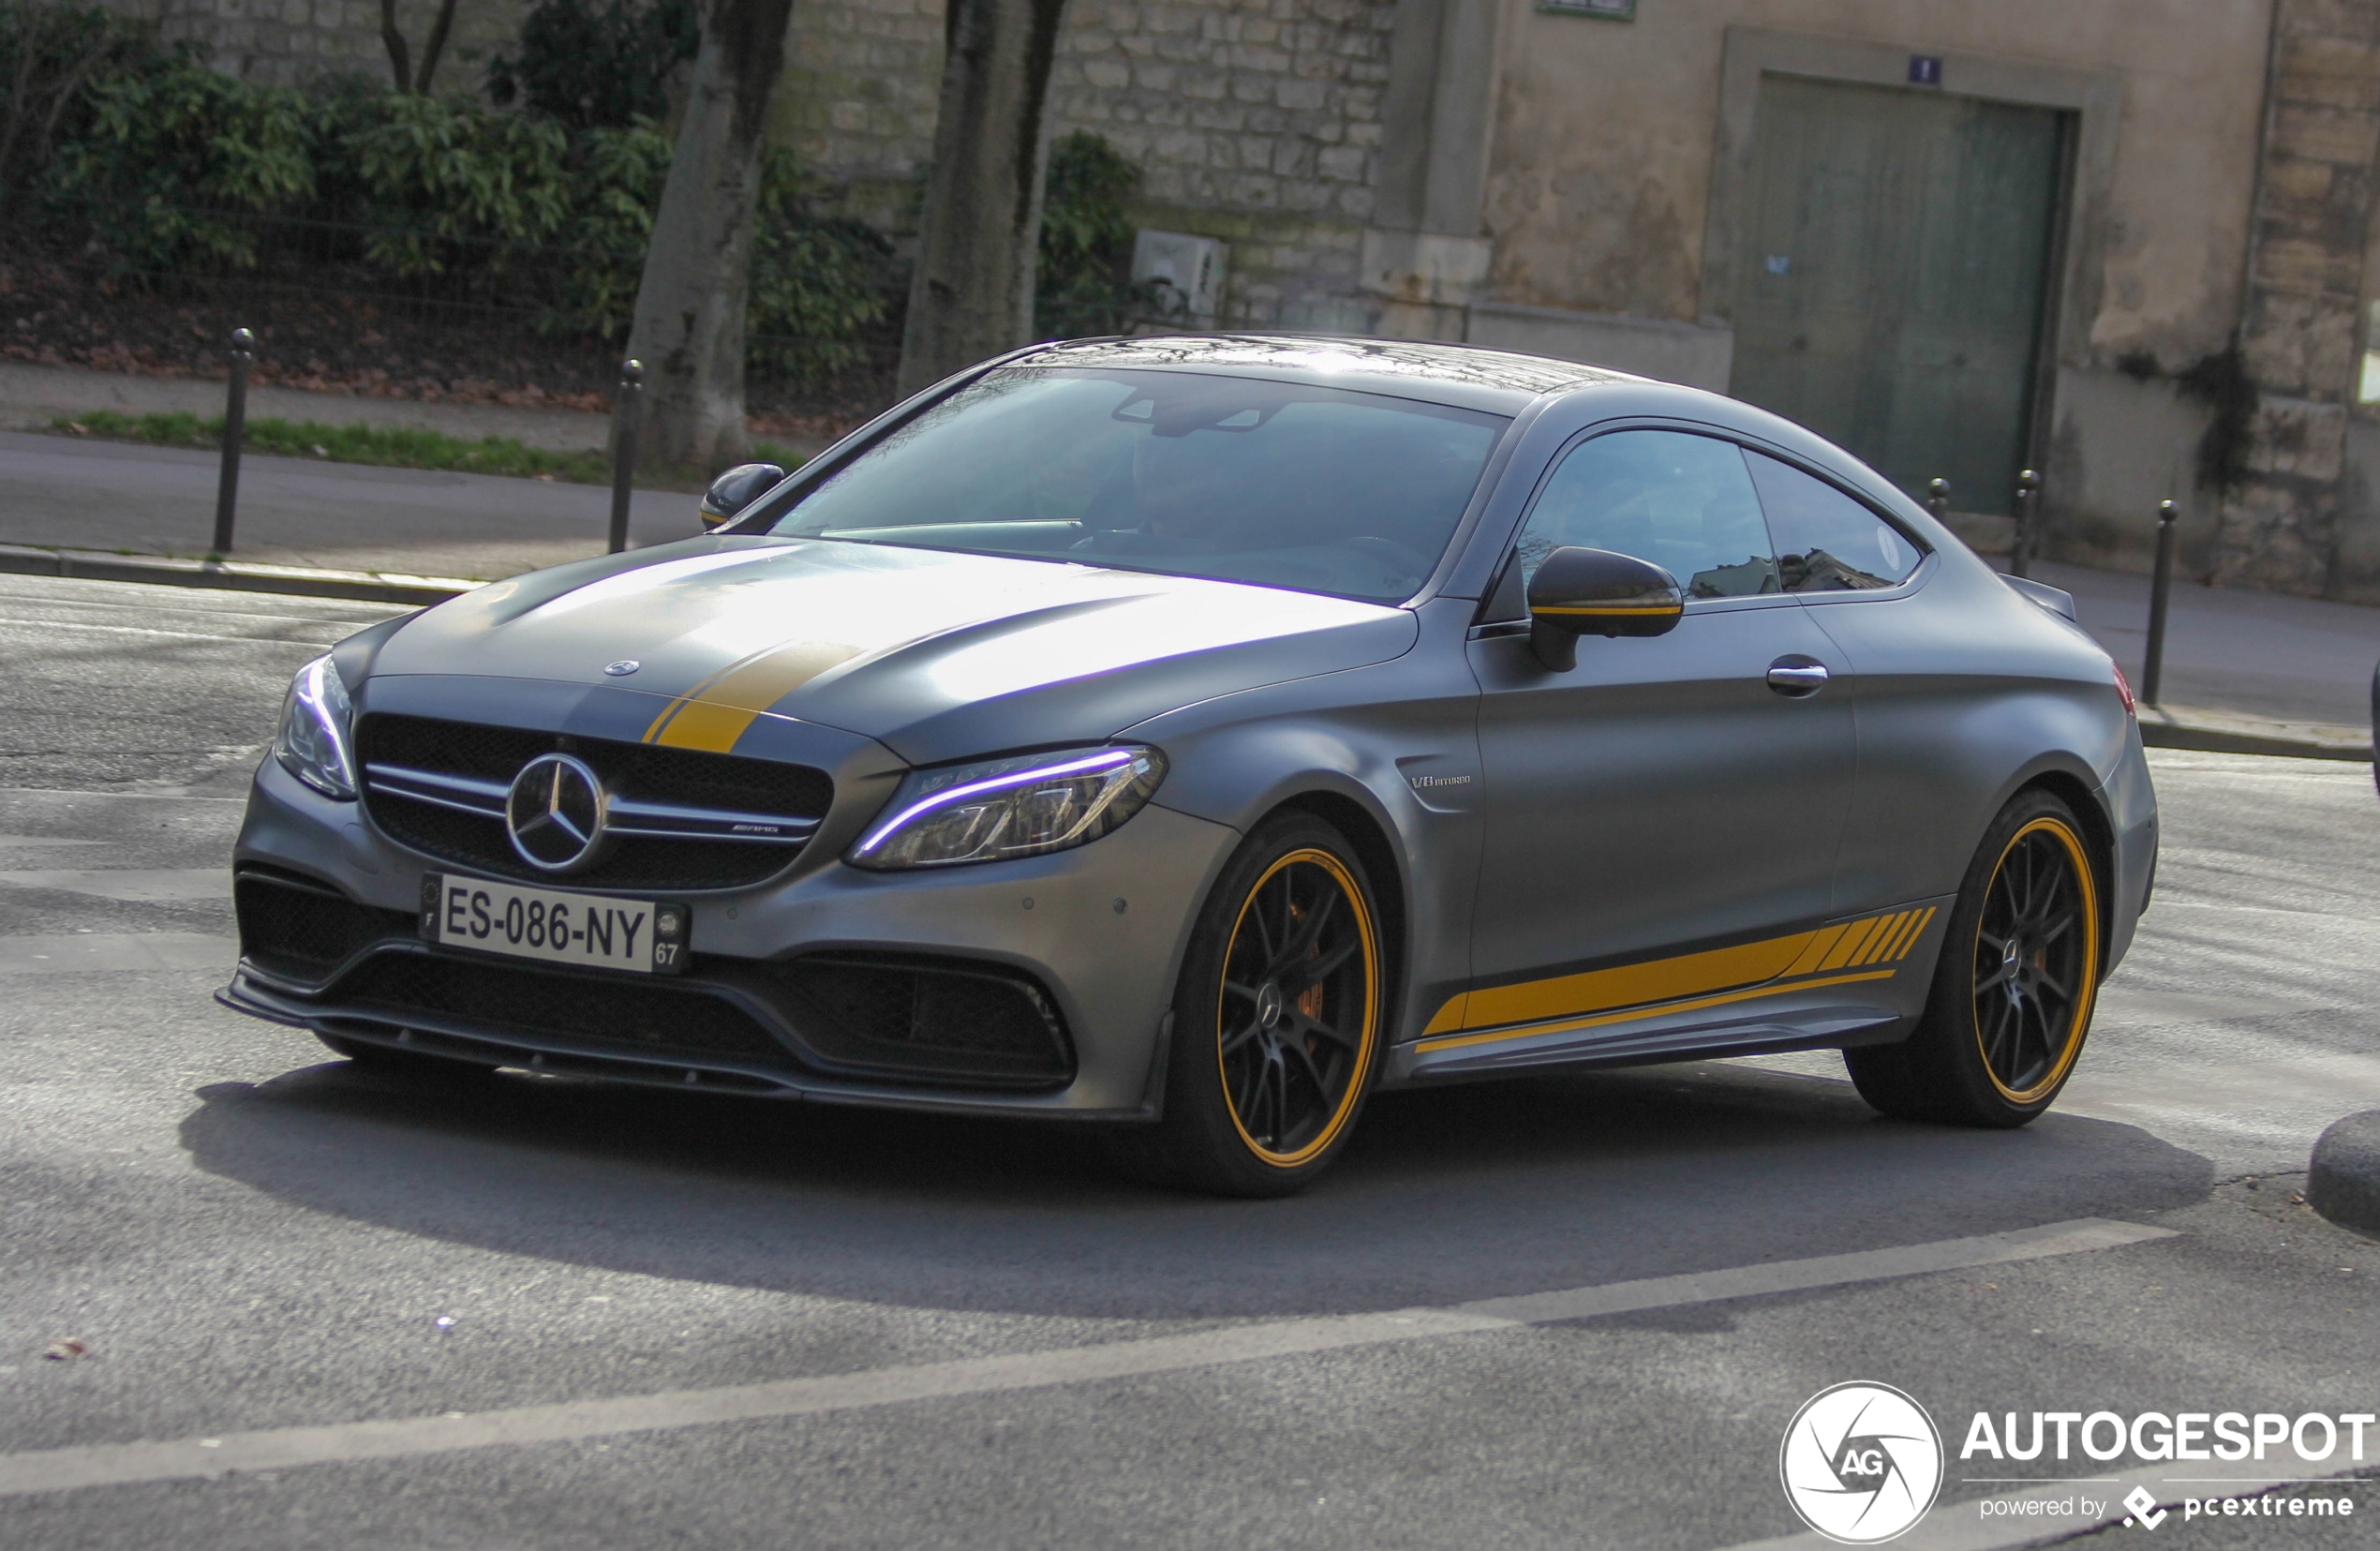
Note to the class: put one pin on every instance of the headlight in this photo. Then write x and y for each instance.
(997, 808)
(312, 743)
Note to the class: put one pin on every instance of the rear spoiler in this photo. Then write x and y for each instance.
(2059, 603)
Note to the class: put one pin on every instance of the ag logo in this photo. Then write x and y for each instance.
(1860, 1463)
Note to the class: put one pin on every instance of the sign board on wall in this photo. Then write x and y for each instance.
(1610, 11)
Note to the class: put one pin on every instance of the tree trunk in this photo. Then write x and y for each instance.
(393, 38)
(435, 47)
(972, 293)
(400, 61)
(689, 305)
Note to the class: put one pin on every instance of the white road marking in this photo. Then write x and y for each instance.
(45, 626)
(132, 885)
(286, 1448)
(117, 953)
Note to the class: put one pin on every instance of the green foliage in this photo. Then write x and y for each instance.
(590, 66)
(167, 149)
(618, 186)
(1084, 285)
(817, 283)
(449, 182)
(384, 446)
(48, 54)
(173, 169)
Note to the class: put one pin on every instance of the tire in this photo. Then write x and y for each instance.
(1270, 1063)
(2015, 987)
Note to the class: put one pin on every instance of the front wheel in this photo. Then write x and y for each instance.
(1277, 1019)
(2012, 992)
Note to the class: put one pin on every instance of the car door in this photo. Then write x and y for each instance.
(1857, 573)
(1670, 802)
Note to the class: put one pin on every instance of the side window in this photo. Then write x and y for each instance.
(1682, 501)
(1826, 541)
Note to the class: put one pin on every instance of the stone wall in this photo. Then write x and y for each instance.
(857, 100)
(1254, 121)
(2299, 329)
(289, 41)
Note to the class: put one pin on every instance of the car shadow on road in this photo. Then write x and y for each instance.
(1443, 1196)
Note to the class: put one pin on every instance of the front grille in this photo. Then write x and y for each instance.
(686, 789)
(651, 1017)
(302, 930)
(945, 1022)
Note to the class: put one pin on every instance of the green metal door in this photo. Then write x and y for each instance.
(1895, 266)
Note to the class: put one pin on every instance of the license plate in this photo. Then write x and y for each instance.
(647, 936)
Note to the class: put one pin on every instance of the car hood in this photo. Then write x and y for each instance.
(937, 655)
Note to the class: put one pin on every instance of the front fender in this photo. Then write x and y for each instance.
(1396, 743)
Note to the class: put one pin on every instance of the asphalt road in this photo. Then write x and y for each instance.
(584, 1318)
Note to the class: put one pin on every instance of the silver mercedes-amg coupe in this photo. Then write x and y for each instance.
(1196, 734)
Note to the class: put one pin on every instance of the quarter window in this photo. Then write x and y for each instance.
(1682, 501)
(1826, 541)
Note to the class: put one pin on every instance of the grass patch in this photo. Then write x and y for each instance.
(387, 446)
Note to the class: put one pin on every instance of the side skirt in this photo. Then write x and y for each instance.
(1813, 1007)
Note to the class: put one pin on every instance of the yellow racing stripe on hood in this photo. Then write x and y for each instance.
(714, 714)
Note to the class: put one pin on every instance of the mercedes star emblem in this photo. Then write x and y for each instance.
(622, 668)
(554, 814)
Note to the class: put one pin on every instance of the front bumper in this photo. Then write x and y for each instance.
(1084, 945)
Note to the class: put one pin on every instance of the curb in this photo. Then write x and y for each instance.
(2221, 733)
(233, 575)
(2343, 1181)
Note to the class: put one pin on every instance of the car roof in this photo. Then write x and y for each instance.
(1465, 376)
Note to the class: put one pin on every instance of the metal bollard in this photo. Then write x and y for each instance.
(626, 412)
(2028, 512)
(1938, 498)
(2161, 586)
(236, 430)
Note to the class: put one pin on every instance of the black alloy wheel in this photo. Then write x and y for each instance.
(2014, 981)
(1297, 1006)
(1278, 1019)
(2036, 943)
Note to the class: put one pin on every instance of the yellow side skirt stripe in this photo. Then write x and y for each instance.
(1568, 1025)
(1762, 968)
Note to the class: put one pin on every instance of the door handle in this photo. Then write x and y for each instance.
(1797, 678)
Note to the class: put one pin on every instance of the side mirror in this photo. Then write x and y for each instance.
(1580, 592)
(735, 489)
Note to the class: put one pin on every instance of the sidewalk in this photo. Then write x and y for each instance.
(31, 397)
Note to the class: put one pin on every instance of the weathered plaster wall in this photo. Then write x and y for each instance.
(1600, 196)
(1601, 185)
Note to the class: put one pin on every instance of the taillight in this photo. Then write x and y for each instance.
(2124, 689)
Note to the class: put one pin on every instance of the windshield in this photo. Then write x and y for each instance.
(1235, 479)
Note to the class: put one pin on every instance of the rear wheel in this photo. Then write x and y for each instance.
(1278, 1018)
(2012, 992)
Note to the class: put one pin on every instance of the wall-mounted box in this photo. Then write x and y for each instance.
(1188, 269)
